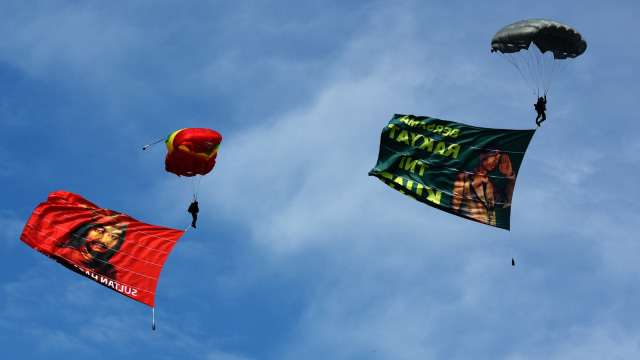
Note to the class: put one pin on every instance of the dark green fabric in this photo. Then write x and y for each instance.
(422, 156)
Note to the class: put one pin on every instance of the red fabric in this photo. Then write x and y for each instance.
(183, 163)
(131, 259)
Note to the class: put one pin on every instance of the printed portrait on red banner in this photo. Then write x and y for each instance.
(109, 247)
(93, 244)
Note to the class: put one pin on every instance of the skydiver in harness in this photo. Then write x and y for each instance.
(541, 107)
(193, 210)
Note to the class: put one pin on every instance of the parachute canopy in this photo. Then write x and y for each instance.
(111, 248)
(553, 44)
(192, 151)
(464, 170)
(548, 35)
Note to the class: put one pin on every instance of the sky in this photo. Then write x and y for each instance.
(298, 253)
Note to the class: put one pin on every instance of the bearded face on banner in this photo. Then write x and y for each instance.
(94, 243)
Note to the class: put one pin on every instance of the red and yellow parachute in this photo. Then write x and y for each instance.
(192, 151)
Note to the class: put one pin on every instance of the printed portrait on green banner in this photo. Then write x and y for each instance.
(465, 170)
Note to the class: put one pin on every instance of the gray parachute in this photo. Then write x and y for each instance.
(554, 44)
(548, 35)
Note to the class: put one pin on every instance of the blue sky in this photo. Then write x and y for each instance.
(298, 253)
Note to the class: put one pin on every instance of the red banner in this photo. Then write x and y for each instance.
(111, 248)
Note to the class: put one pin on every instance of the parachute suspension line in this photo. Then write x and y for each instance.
(146, 146)
(524, 67)
(513, 262)
(539, 70)
(195, 186)
(198, 188)
(536, 59)
(153, 316)
(555, 69)
(546, 66)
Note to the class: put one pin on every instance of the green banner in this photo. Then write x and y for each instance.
(465, 170)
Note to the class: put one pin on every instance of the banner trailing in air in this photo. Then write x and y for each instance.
(465, 170)
(111, 248)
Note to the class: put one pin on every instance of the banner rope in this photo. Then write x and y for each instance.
(513, 262)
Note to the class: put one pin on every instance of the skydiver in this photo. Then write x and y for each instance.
(193, 210)
(541, 107)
